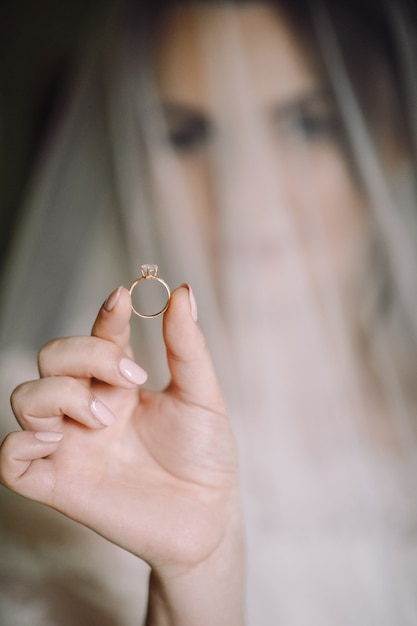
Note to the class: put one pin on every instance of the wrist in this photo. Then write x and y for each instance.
(209, 593)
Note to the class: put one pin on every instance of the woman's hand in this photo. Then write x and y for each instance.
(155, 473)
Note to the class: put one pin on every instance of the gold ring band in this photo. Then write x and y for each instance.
(150, 272)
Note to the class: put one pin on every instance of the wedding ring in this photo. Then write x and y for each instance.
(150, 272)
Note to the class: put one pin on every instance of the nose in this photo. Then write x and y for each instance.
(251, 199)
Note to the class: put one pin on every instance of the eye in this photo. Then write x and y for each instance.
(310, 118)
(191, 135)
(313, 125)
(186, 130)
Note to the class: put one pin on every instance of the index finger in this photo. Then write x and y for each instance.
(112, 321)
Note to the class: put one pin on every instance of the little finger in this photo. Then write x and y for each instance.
(24, 466)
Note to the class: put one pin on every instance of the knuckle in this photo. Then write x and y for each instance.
(5, 455)
(17, 398)
(44, 356)
(3, 447)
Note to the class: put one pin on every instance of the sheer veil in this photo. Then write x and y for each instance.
(314, 339)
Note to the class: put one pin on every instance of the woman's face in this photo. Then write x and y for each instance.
(255, 139)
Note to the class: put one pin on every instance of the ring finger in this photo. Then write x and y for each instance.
(45, 404)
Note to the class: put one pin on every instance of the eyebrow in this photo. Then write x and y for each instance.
(304, 100)
(179, 111)
(315, 100)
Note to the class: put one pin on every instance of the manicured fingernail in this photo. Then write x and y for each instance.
(132, 372)
(112, 299)
(102, 412)
(48, 437)
(193, 303)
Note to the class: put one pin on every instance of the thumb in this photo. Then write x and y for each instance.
(189, 361)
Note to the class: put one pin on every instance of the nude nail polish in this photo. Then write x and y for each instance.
(193, 303)
(48, 437)
(112, 300)
(132, 372)
(102, 412)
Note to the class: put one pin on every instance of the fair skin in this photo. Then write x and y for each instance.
(267, 106)
(161, 480)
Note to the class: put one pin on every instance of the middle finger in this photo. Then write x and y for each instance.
(90, 357)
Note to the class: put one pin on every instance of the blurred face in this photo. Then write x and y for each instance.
(251, 150)
(256, 142)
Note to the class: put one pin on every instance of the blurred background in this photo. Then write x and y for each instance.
(39, 43)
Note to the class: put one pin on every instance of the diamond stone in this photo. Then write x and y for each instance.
(149, 270)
